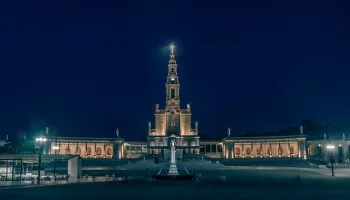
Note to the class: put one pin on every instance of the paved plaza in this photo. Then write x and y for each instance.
(224, 183)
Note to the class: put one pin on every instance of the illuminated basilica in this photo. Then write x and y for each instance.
(172, 121)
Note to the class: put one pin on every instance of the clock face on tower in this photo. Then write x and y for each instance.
(172, 78)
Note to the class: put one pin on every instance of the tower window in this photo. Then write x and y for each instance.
(172, 70)
(172, 93)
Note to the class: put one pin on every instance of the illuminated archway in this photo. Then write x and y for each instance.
(237, 152)
(109, 151)
(98, 151)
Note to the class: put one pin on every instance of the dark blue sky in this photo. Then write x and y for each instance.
(249, 65)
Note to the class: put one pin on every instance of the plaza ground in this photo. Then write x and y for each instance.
(259, 184)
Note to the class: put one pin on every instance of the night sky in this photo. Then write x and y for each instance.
(92, 67)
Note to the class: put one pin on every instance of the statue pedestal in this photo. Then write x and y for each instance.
(173, 173)
(173, 170)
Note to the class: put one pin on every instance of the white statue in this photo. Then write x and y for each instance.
(196, 124)
(344, 136)
(47, 130)
(228, 132)
(7, 137)
(324, 136)
(173, 168)
(117, 132)
(172, 144)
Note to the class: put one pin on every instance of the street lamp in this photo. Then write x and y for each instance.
(41, 140)
(331, 148)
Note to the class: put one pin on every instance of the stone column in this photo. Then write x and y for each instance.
(251, 150)
(117, 150)
(304, 150)
(224, 149)
(242, 150)
(233, 151)
(197, 149)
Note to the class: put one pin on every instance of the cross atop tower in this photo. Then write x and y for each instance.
(172, 49)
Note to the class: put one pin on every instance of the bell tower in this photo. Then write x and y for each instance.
(172, 84)
(172, 121)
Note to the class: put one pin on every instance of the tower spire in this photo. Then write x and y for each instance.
(172, 83)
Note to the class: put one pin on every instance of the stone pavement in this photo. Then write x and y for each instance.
(24, 184)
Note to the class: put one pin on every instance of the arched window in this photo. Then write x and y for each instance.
(237, 151)
(185, 143)
(172, 119)
(98, 151)
(248, 151)
(193, 143)
(88, 151)
(109, 151)
(269, 152)
(78, 151)
(291, 150)
(258, 151)
(172, 70)
(172, 93)
(280, 150)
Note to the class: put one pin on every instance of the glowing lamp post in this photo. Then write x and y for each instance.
(331, 148)
(41, 140)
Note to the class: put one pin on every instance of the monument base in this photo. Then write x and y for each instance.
(186, 177)
(173, 170)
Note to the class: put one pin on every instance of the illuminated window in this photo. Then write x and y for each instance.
(109, 151)
(248, 151)
(269, 152)
(237, 151)
(291, 150)
(98, 151)
(258, 151)
(280, 150)
(88, 151)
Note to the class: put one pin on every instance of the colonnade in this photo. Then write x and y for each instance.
(264, 149)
